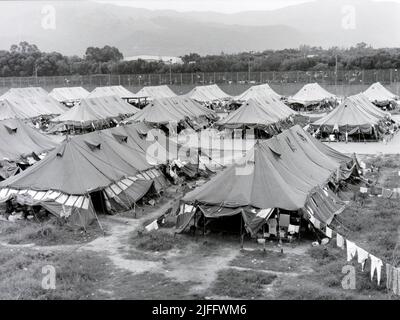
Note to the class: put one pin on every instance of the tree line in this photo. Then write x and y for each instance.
(25, 59)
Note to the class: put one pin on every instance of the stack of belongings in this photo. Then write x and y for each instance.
(356, 117)
(96, 172)
(20, 146)
(311, 97)
(96, 113)
(31, 103)
(69, 96)
(262, 90)
(381, 97)
(177, 111)
(156, 92)
(289, 173)
(267, 116)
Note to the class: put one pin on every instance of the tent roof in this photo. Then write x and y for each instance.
(83, 164)
(354, 111)
(311, 93)
(156, 92)
(251, 113)
(9, 110)
(168, 110)
(69, 94)
(275, 105)
(31, 107)
(262, 90)
(29, 92)
(96, 109)
(118, 91)
(18, 140)
(207, 93)
(377, 92)
(277, 173)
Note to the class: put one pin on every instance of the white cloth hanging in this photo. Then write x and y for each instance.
(376, 264)
(363, 190)
(351, 250)
(362, 256)
(152, 226)
(328, 232)
(339, 241)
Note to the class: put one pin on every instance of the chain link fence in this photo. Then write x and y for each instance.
(364, 77)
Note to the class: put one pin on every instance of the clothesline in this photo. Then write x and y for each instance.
(392, 273)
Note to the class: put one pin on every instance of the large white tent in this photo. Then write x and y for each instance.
(69, 94)
(156, 92)
(262, 90)
(118, 91)
(210, 93)
(311, 94)
(379, 95)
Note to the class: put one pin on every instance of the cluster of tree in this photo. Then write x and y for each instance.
(27, 60)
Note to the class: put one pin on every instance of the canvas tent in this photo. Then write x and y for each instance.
(32, 106)
(118, 91)
(29, 92)
(356, 115)
(262, 90)
(69, 95)
(156, 92)
(88, 173)
(208, 94)
(310, 95)
(253, 115)
(9, 110)
(381, 96)
(171, 110)
(288, 172)
(20, 145)
(18, 141)
(96, 112)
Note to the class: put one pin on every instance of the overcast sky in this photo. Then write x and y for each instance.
(225, 6)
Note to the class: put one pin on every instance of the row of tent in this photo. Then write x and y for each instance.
(309, 94)
(33, 102)
(108, 170)
(289, 172)
(111, 170)
(355, 115)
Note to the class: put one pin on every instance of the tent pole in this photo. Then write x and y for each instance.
(279, 227)
(98, 221)
(241, 231)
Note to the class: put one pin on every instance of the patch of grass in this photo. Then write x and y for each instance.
(149, 286)
(155, 241)
(242, 284)
(77, 274)
(48, 233)
(268, 260)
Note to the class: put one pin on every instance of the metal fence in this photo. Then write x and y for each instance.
(386, 76)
